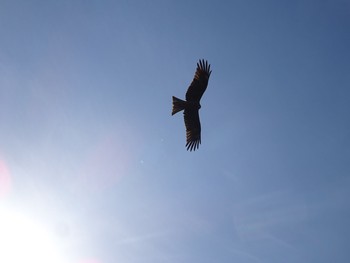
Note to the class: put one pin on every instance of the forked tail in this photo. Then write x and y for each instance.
(178, 105)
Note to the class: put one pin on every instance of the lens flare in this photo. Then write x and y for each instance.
(5, 180)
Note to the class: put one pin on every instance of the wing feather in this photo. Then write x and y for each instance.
(193, 128)
(200, 81)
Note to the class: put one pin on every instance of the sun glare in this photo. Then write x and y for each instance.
(23, 240)
(5, 179)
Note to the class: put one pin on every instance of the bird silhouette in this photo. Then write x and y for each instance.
(191, 105)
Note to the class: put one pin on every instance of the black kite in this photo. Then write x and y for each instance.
(191, 106)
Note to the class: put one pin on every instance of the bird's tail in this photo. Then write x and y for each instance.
(178, 105)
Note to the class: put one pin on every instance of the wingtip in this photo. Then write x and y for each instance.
(204, 64)
(193, 145)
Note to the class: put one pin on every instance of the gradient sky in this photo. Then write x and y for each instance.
(88, 146)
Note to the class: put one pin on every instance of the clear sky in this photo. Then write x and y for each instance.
(89, 150)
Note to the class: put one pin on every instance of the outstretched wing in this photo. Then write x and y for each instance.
(200, 81)
(193, 128)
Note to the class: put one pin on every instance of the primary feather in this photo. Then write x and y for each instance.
(200, 82)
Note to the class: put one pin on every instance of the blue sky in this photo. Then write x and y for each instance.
(89, 149)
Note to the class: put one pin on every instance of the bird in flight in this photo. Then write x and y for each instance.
(191, 106)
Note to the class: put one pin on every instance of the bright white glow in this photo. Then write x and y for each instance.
(23, 240)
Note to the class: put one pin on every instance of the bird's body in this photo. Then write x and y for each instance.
(191, 106)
